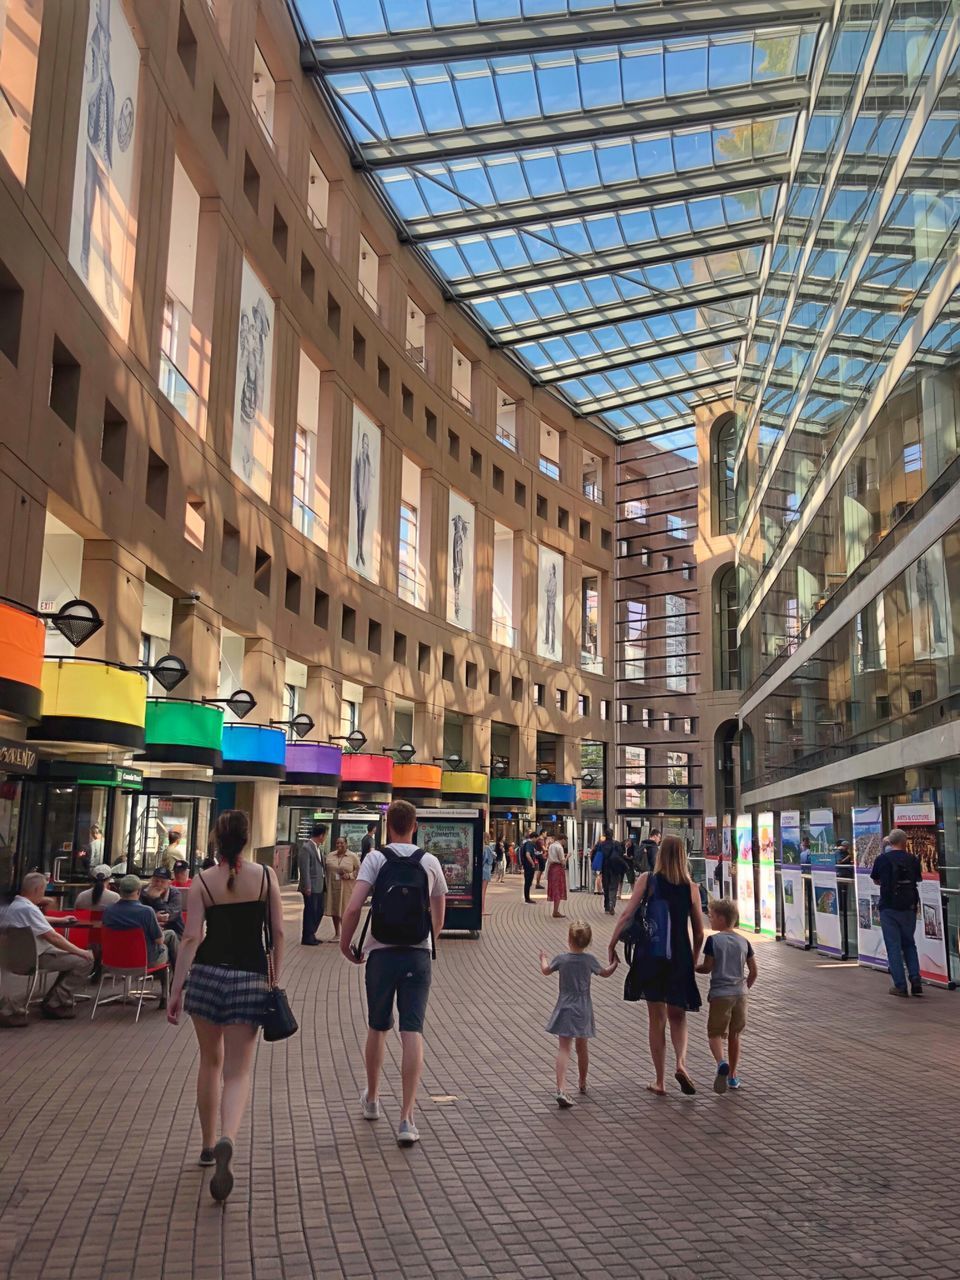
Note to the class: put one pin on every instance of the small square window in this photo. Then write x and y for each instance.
(383, 376)
(374, 636)
(563, 519)
(585, 530)
(291, 592)
(516, 688)
(453, 444)
(399, 647)
(446, 668)
(262, 571)
(359, 348)
(476, 463)
(280, 235)
(64, 385)
(542, 507)
(493, 683)
(220, 121)
(158, 478)
(604, 709)
(348, 624)
(333, 315)
(606, 539)
(195, 521)
(497, 477)
(561, 699)
(113, 442)
(251, 182)
(430, 424)
(321, 609)
(308, 277)
(583, 704)
(406, 401)
(230, 547)
(11, 315)
(624, 712)
(539, 694)
(471, 675)
(423, 657)
(519, 493)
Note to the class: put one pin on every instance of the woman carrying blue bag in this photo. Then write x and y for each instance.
(663, 911)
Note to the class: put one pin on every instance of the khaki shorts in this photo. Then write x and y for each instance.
(727, 1013)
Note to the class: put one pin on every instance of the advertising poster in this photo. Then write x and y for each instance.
(451, 843)
(919, 821)
(550, 605)
(252, 453)
(744, 857)
(823, 882)
(867, 844)
(353, 831)
(461, 536)
(726, 857)
(363, 546)
(102, 226)
(930, 606)
(791, 877)
(768, 876)
(711, 858)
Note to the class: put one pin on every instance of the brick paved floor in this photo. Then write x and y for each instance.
(837, 1160)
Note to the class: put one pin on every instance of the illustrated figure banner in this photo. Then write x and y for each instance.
(745, 898)
(461, 538)
(711, 858)
(919, 821)
(867, 843)
(726, 857)
(252, 453)
(930, 605)
(823, 882)
(102, 229)
(364, 529)
(550, 605)
(768, 876)
(791, 878)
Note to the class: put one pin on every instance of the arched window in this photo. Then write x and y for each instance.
(723, 454)
(727, 658)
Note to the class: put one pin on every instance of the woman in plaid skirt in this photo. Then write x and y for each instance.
(224, 971)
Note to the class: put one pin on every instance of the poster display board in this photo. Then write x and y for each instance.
(726, 857)
(823, 882)
(791, 878)
(102, 223)
(919, 821)
(353, 828)
(867, 844)
(768, 876)
(711, 858)
(461, 536)
(455, 838)
(744, 861)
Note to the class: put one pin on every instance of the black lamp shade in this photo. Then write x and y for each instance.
(301, 724)
(406, 752)
(169, 671)
(241, 703)
(356, 740)
(77, 621)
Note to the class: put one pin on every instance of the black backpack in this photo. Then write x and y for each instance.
(903, 884)
(399, 914)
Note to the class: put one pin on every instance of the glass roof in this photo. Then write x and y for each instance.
(595, 181)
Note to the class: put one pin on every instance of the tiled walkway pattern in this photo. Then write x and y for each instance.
(837, 1160)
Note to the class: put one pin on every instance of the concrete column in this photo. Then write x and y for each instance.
(324, 694)
(528, 433)
(261, 801)
(435, 511)
(195, 637)
(345, 230)
(525, 570)
(568, 758)
(218, 278)
(376, 718)
(113, 581)
(427, 731)
(476, 742)
(393, 299)
(336, 409)
(391, 473)
(149, 276)
(263, 668)
(483, 566)
(526, 747)
(438, 349)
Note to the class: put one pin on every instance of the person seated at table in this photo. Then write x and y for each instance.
(131, 913)
(100, 896)
(56, 954)
(163, 898)
(181, 875)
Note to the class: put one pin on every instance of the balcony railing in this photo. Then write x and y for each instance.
(506, 437)
(592, 491)
(310, 523)
(550, 468)
(416, 354)
(319, 226)
(182, 395)
(369, 298)
(462, 398)
(408, 586)
(591, 662)
(502, 633)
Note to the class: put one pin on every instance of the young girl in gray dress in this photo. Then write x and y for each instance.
(572, 1019)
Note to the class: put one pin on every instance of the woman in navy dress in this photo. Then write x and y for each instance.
(669, 985)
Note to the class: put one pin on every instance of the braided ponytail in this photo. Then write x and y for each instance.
(232, 835)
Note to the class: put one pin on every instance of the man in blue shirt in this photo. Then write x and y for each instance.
(131, 913)
(898, 873)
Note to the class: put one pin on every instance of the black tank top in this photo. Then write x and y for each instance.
(234, 937)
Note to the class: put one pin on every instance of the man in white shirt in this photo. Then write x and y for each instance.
(399, 970)
(56, 955)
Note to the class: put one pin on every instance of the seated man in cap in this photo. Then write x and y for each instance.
(56, 954)
(163, 897)
(131, 913)
(182, 878)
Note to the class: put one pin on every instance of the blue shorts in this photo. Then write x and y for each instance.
(402, 974)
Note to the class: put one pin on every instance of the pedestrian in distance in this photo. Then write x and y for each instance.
(898, 873)
(729, 959)
(310, 866)
(541, 859)
(489, 860)
(663, 975)
(612, 870)
(406, 917)
(342, 870)
(528, 861)
(557, 859)
(221, 982)
(572, 1020)
(647, 852)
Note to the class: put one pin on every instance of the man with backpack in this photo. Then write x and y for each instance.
(898, 873)
(398, 945)
(612, 869)
(647, 853)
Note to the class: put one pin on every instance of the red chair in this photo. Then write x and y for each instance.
(124, 955)
(80, 933)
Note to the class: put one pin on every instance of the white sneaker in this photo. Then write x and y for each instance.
(371, 1110)
(407, 1134)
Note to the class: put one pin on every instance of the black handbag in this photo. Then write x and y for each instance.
(279, 1022)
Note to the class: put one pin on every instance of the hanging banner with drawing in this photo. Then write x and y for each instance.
(744, 861)
(726, 857)
(823, 882)
(768, 876)
(711, 858)
(461, 535)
